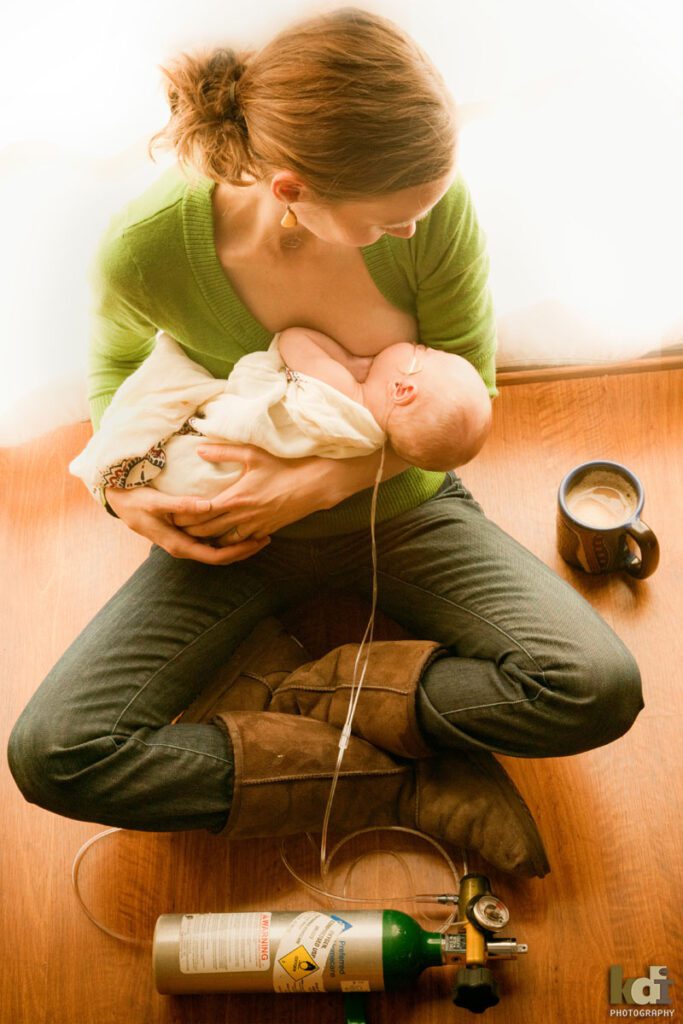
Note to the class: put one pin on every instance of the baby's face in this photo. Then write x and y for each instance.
(399, 375)
(396, 362)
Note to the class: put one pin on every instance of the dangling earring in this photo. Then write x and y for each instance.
(289, 219)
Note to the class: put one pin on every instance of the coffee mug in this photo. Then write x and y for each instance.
(598, 509)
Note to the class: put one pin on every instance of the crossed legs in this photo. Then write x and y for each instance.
(534, 672)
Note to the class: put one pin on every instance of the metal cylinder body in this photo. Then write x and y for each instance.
(289, 951)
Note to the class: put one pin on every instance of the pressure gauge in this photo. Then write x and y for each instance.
(488, 912)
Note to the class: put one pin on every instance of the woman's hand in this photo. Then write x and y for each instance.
(270, 494)
(150, 513)
(273, 492)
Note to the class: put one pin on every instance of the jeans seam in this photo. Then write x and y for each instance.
(482, 618)
(171, 746)
(493, 704)
(182, 651)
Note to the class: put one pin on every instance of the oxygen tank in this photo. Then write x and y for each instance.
(311, 951)
(351, 951)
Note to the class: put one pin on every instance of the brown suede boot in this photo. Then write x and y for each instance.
(284, 765)
(270, 669)
(251, 675)
(386, 711)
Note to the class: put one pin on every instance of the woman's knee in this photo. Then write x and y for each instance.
(48, 764)
(28, 758)
(598, 697)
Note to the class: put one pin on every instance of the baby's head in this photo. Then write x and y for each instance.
(433, 405)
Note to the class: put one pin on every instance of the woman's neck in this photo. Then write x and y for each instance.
(247, 225)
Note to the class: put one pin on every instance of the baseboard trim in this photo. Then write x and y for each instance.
(506, 378)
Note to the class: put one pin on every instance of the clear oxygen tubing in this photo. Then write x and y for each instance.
(75, 869)
(422, 898)
(364, 646)
(325, 859)
(427, 897)
(357, 680)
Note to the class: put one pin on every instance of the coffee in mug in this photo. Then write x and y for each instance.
(598, 509)
(602, 499)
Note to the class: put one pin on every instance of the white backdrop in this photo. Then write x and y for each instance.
(572, 144)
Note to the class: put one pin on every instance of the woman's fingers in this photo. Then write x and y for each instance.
(169, 504)
(227, 453)
(149, 513)
(218, 526)
(228, 508)
(178, 544)
(149, 501)
(183, 519)
(236, 535)
(227, 502)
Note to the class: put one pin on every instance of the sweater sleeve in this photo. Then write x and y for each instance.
(454, 303)
(122, 335)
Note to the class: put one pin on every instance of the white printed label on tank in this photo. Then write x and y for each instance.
(303, 951)
(224, 943)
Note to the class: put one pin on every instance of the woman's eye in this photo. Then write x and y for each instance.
(393, 227)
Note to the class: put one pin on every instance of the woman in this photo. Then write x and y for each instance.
(317, 158)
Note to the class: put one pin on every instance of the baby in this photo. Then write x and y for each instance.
(305, 395)
(426, 401)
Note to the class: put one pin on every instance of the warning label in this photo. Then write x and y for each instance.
(299, 963)
(216, 943)
(303, 952)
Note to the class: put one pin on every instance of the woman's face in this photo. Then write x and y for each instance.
(362, 222)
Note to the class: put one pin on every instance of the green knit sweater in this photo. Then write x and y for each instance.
(157, 269)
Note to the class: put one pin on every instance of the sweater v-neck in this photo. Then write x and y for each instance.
(247, 332)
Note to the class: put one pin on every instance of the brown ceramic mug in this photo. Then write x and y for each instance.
(598, 511)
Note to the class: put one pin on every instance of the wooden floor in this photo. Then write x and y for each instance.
(611, 818)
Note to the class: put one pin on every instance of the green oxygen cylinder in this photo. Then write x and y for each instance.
(311, 951)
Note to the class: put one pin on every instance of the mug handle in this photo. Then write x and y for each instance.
(649, 551)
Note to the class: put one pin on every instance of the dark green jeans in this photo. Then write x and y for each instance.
(534, 672)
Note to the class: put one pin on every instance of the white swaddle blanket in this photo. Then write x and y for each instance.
(159, 416)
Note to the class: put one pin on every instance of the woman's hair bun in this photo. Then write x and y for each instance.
(207, 127)
(202, 84)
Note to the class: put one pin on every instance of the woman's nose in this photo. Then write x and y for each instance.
(405, 232)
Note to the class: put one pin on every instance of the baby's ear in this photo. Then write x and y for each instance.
(402, 393)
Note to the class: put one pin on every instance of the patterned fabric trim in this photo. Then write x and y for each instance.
(140, 470)
(137, 471)
(187, 427)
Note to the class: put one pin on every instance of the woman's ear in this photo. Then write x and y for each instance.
(402, 393)
(287, 188)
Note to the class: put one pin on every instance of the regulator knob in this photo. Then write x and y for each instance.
(475, 989)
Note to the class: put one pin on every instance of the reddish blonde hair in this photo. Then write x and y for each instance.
(345, 99)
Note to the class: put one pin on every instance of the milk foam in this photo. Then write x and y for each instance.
(602, 499)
